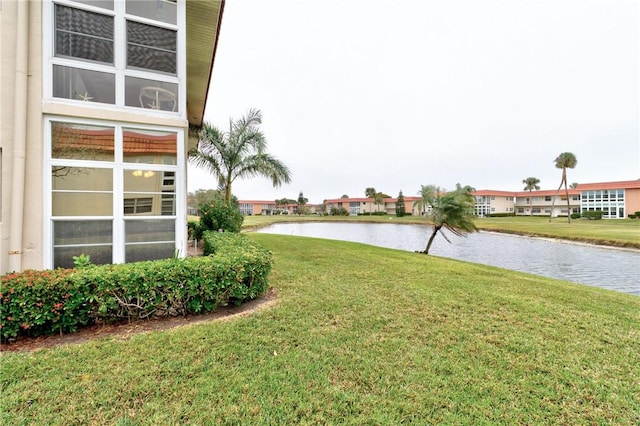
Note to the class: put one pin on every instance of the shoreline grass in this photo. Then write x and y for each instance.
(359, 335)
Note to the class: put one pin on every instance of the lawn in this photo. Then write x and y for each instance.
(359, 335)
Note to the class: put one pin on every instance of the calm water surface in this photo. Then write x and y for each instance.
(610, 268)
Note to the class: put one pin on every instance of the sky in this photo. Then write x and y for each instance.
(398, 94)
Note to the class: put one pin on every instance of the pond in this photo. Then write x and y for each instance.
(610, 268)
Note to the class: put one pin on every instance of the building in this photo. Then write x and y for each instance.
(262, 207)
(356, 206)
(616, 200)
(97, 97)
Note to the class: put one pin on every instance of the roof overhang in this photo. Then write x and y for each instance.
(203, 28)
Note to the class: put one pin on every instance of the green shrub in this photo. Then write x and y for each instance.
(43, 302)
(338, 211)
(637, 214)
(194, 230)
(501, 214)
(46, 302)
(576, 215)
(633, 216)
(592, 214)
(219, 215)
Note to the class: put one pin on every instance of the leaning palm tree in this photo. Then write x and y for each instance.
(426, 193)
(564, 161)
(238, 153)
(454, 211)
(531, 183)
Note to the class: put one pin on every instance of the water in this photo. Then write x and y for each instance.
(610, 268)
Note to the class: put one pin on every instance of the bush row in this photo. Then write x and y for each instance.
(56, 301)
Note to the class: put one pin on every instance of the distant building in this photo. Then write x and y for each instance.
(616, 200)
(356, 206)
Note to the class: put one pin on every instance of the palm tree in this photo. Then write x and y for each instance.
(564, 161)
(454, 211)
(426, 193)
(238, 153)
(531, 183)
(370, 192)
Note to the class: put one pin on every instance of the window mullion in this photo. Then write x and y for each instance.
(120, 50)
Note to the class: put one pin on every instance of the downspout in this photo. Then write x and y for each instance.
(19, 137)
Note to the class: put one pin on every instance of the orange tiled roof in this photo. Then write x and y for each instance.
(623, 184)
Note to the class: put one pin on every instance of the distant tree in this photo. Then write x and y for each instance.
(426, 193)
(370, 192)
(238, 153)
(452, 210)
(531, 183)
(401, 209)
(282, 203)
(302, 202)
(574, 185)
(200, 196)
(323, 207)
(378, 199)
(564, 161)
(344, 196)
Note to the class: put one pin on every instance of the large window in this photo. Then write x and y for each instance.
(99, 46)
(112, 191)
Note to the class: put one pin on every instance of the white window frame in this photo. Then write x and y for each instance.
(118, 167)
(119, 67)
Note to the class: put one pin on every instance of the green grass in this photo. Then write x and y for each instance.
(359, 335)
(618, 232)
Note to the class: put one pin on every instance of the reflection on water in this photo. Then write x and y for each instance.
(609, 268)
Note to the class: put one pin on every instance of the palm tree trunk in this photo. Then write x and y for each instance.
(530, 204)
(433, 235)
(566, 193)
(553, 202)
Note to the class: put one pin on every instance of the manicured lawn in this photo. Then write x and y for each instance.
(359, 335)
(622, 232)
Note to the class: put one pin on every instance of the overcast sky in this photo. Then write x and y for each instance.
(398, 94)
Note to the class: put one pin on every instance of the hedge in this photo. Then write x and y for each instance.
(34, 303)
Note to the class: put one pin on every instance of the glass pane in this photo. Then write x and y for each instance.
(149, 146)
(151, 94)
(142, 180)
(84, 35)
(82, 204)
(141, 205)
(137, 231)
(153, 251)
(100, 255)
(82, 178)
(159, 10)
(82, 142)
(151, 48)
(82, 232)
(84, 85)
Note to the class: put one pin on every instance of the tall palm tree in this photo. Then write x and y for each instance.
(454, 211)
(370, 192)
(238, 153)
(564, 161)
(531, 183)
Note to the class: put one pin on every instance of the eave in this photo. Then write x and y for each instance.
(203, 28)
